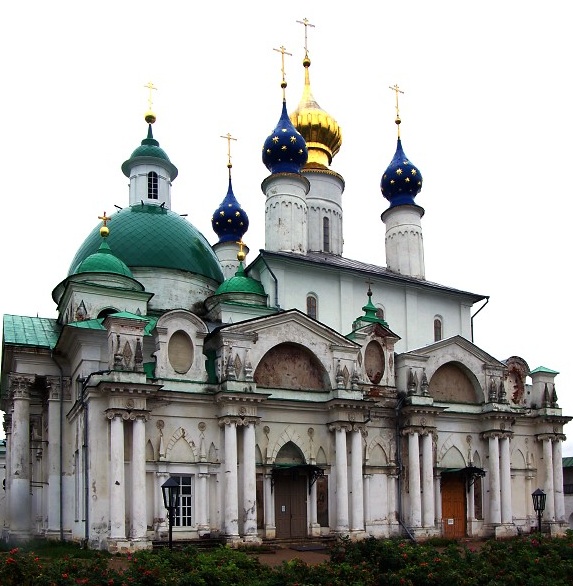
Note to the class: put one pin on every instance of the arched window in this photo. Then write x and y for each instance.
(311, 306)
(438, 331)
(380, 312)
(325, 235)
(152, 185)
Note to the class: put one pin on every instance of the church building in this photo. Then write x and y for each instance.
(299, 395)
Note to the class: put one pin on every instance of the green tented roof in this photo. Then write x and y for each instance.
(97, 324)
(20, 330)
(153, 237)
(543, 369)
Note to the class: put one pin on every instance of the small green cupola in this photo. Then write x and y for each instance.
(370, 315)
(149, 169)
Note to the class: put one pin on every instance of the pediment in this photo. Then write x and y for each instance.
(457, 349)
(293, 326)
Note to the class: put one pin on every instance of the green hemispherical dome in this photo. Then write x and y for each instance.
(152, 236)
(103, 261)
(240, 283)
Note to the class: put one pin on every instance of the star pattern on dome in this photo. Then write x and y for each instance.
(284, 151)
(401, 181)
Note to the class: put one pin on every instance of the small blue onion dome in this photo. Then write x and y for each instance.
(402, 181)
(230, 221)
(285, 149)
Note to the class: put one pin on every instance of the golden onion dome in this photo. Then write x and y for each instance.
(320, 130)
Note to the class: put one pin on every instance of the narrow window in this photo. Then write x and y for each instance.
(379, 313)
(326, 235)
(311, 306)
(152, 185)
(184, 512)
(437, 329)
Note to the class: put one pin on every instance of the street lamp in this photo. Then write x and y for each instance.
(539, 505)
(170, 489)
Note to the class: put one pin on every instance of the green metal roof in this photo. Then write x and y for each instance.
(154, 237)
(543, 369)
(103, 261)
(567, 462)
(20, 330)
(97, 324)
(241, 284)
(149, 149)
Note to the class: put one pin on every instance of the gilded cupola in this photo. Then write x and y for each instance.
(320, 130)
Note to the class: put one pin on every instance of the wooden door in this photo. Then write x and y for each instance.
(290, 505)
(453, 506)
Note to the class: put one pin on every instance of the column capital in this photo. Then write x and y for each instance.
(224, 421)
(340, 427)
(552, 437)
(57, 390)
(127, 415)
(20, 386)
(497, 433)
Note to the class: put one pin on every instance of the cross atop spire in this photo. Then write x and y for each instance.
(229, 139)
(283, 52)
(396, 89)
(306, 24)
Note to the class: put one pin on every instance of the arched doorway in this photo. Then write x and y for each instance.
(291, 481)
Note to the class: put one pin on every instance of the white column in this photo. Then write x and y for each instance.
(20, 501)
(367, 509)
(231, 481)
(428, 512)
(494, 495)
(505, 481)
(414, 479)
(558, 480)
(54, 458)
(392, 498)
(437, 499)
(549, 513)
(249, 483)
(117, 479)
(312, 510)
(471, 501)
(160, 515)
(138, 481)
(357, 481)
(342, 522)
(202, 500)
(270, 528)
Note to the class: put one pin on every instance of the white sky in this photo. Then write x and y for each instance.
(486, 117)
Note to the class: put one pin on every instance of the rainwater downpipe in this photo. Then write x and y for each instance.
(472, 318)
(275, 279)
(61, 448)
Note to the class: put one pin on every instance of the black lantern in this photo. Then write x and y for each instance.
(539, 505)
(170, 489)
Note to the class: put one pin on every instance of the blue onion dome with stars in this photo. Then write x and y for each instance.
(230, 221)
(402, 180)
(285, 149)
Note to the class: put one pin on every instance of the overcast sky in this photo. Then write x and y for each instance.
(486, 116)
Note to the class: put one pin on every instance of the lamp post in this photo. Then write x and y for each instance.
(539, 505)
(170, 489)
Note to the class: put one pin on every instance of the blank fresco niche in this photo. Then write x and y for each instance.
(290, 366)
(451, 383)
(180, 352)
(374, 362)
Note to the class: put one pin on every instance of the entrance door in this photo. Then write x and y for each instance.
(290, 504)
(453, 505)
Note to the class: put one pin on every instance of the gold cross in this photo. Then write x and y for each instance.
(306, 24)
(396, 89)
(283, 52)
(151, 87)
(105, 219)
(229, 139)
